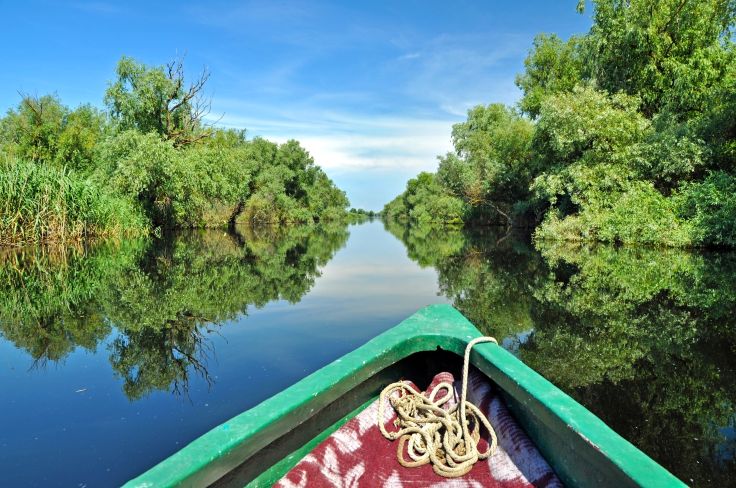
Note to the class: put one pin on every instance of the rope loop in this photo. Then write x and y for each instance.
(431, 431)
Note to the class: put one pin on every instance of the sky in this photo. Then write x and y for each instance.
(370, 89)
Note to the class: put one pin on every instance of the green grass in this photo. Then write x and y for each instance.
(43, 203)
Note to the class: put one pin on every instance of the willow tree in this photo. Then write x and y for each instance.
(670, 53)
(158, 99)
(490, 168)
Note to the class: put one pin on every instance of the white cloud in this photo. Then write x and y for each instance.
(412, 150)
(344, 130)
(346, 142)
(370, 125)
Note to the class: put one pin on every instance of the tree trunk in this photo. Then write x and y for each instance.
(234, 215)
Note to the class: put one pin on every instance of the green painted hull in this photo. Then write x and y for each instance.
(260, 445)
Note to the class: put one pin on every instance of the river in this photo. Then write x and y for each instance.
(115, 355)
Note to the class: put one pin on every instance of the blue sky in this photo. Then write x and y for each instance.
(370, 89)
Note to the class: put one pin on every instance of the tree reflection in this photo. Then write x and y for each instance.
(645, 338)
(49, 296)
(162, 296)
(485, 273)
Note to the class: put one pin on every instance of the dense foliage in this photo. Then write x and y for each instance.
(150, 161)
(44, 202)
(625, 134)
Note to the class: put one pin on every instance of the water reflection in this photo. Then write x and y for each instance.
(161, 297)
(645, 338)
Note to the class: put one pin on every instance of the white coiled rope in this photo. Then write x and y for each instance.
(433, 434)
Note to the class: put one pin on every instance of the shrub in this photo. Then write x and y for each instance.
(711, 206)
(153, 173)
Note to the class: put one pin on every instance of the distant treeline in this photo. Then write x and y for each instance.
(149, 161)
(359, 215)
(625, 134)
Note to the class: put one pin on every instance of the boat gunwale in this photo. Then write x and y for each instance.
(225, 447)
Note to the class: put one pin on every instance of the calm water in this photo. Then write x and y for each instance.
(114, 356)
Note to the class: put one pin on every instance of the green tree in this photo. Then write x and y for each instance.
(31, 132)
(552, 66)
(710, 206)
(155, 175)
(287, 186)
(98, 172)
(670, 53)
(157, 99)
(634, 139)
(84, 129)
(491, 167)
(426, 201)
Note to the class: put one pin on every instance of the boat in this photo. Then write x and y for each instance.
(263, 445)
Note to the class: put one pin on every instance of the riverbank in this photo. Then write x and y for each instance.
(149, 161)
(634, 149)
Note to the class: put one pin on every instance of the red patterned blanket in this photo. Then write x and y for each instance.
(357, 454)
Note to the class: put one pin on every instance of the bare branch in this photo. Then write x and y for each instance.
(185, 110)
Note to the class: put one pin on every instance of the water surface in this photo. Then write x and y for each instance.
(115, 355)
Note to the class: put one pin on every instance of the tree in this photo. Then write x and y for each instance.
(426, 201)
(156, 99)
(84, 128)
(34, 127)
(670, 53)
(492, 160)
(155, 175)
(552, 66)
(583, 142)
(288, 187)
(45, 131)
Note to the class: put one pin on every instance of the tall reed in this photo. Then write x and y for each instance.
(45, 203)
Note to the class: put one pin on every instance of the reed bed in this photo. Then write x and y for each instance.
(46, 203)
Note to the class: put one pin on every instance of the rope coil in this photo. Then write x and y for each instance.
(433, 433)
